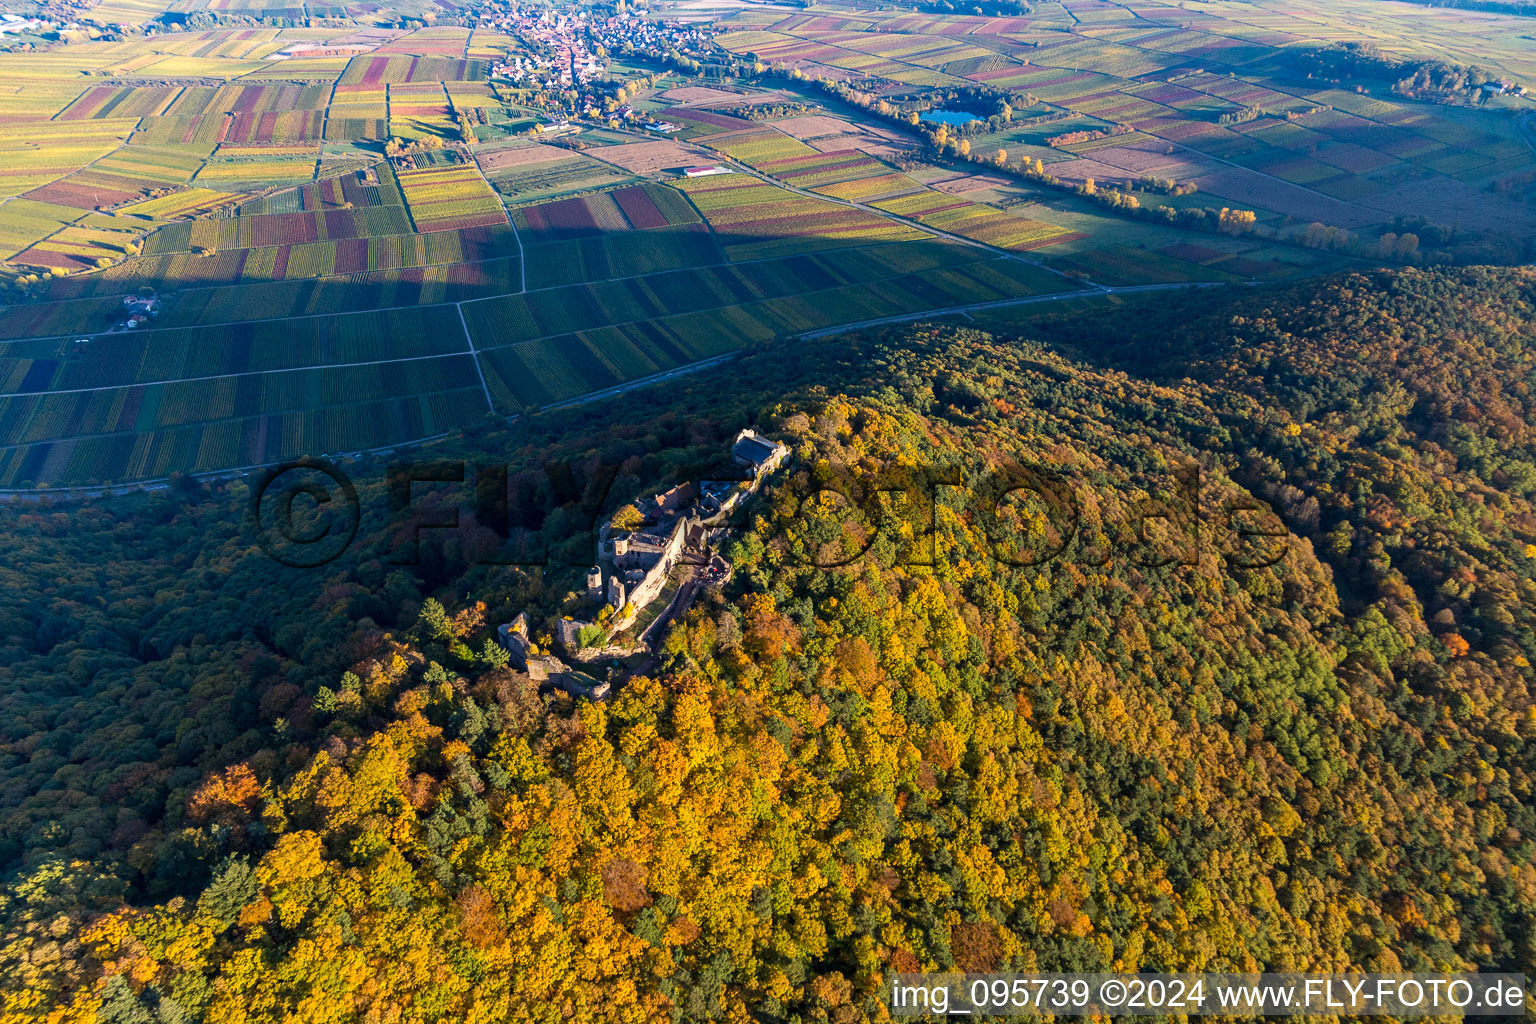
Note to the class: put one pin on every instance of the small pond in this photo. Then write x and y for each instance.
(947, 117)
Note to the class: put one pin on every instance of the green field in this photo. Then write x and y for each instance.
(129, 406)
(559, 343)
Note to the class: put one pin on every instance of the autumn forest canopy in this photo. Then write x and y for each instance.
(898, 739)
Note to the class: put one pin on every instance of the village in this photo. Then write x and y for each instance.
(568, 47)
(653, 559)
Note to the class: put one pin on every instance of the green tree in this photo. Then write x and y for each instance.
(493, 654)
(433, 623)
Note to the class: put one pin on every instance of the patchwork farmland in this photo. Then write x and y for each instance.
(1242, 106)
(227, 246)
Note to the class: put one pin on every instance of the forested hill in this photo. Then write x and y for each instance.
(883, 746)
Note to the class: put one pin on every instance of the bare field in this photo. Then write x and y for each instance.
(1453, 202)
(960, 184)
(521, 156)
(817, 126)
(695, 95)
(873, 145)
(1247, 188)
(648, 157)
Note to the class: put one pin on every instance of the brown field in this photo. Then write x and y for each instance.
(816, 126)
(960, 184)
(648, 157)
(869, 144)
(520, 156)
(1245, 188)
(827, 134)
(704, 94)
(1103, 171)
(1452, 202)
(1149, 157)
